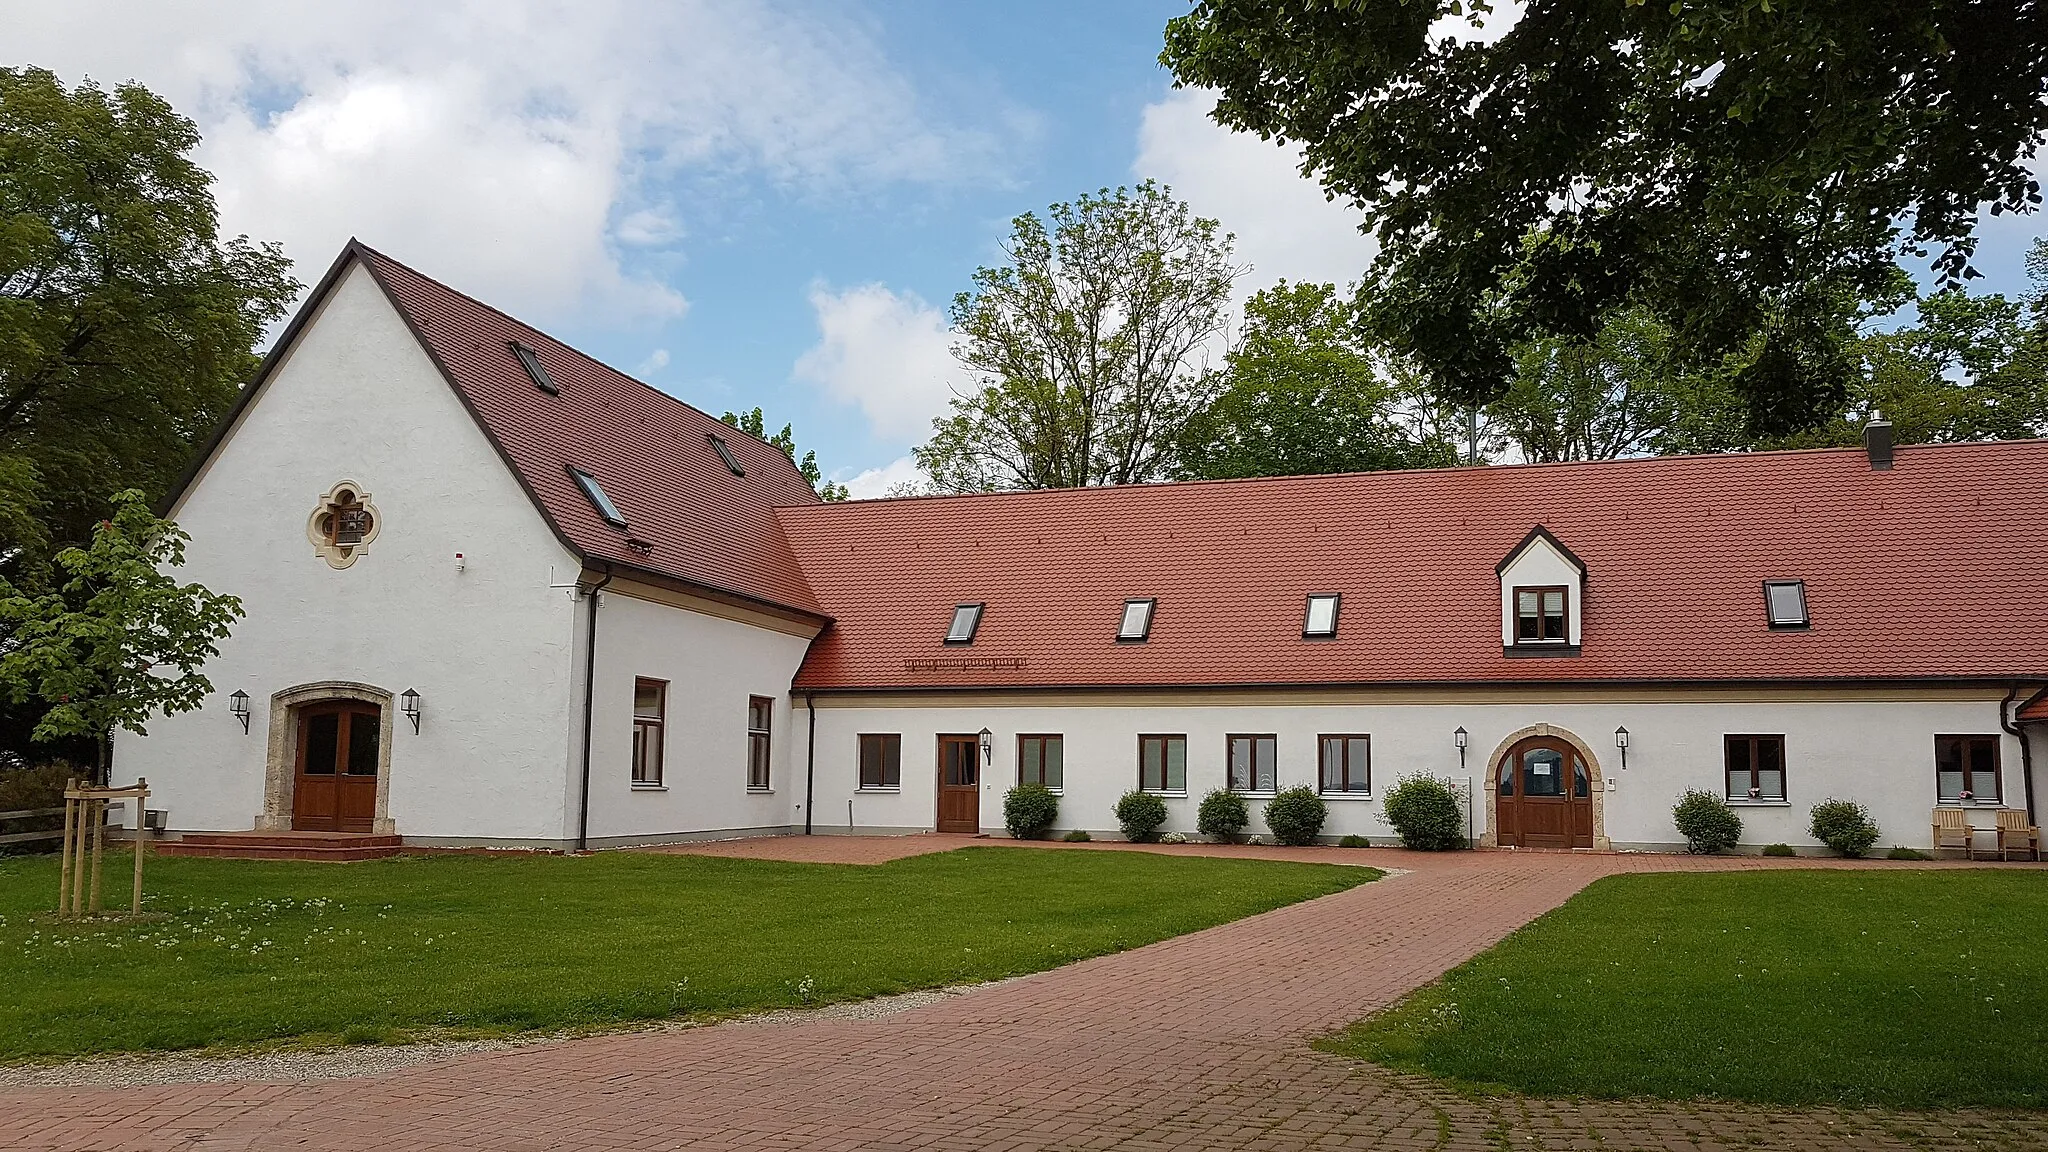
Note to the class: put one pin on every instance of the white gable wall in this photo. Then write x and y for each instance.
(1538, 565)
(488, 647)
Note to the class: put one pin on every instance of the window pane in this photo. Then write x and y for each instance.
(647, 700)
(892, 761)
(1983, 779)
(323, 743)
(363, 731)
(1359, 762)
(760, 711)
(1322, 615)
(1137, 620)
(1240, 763)
(1948, 767)
(1030, 761)
(646, 754)
(1787, 603)
(1542, 772)
(1739, 767)
(1052, 759)
(1262, 779)
(1770, 784)
(1176, 764)
(1151, 755)
(1330, 754)
(1581, 783)
(757, 761)
(1507, 776)
(965, 617)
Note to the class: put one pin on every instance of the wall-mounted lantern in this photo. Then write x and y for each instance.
(409, 703)
(988, 747)
(1459, 738)
(1621, 742)
(238, 706)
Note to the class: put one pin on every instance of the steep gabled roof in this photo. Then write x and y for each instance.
(688, 517)
(1935, 569)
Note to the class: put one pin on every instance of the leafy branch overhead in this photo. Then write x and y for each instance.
(1732, 167)
(754, 424)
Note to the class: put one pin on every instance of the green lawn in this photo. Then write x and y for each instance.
(1917, 989)
(258, 951)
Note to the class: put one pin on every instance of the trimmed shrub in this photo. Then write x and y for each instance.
(1296, 815)
(1779, 850)
(1030, 810)
(1706, 821)
(1222, 816)
(1077, 836)
(1425, 812)
(1140, 814)
(1354, 841)
(1904, 853)
(1843, 825)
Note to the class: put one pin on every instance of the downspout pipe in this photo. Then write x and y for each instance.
(811, 760)
(2026, 749)
(589, 707)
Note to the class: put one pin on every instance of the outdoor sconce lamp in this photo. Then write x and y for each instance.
(988, 747)
(1459, 737)
(1621, 742)
(410, 705)
(238, 706)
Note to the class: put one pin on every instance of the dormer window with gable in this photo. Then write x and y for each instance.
(1542, 597)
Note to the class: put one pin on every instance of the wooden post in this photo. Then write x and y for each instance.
(141, 818)
(64, 866)
(99, 847)
(78, 864)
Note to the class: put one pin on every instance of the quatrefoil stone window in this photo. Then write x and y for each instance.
(343, 524)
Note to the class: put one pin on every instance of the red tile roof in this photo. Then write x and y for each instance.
(648, 450)
(2035, 711)
(1934, 569)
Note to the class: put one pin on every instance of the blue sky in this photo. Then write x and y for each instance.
(743, 203)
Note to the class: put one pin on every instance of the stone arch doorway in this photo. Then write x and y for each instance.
(328, 760)
(1544, 789)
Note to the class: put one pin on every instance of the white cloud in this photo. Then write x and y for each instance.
(1284, 226)
(897, 475)
(655, 362)
(508, 146)
(888, 353)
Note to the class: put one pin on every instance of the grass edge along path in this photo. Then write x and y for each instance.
(1913, 989)
(262, 953)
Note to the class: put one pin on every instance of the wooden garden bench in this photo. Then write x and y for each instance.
(2015, 833)
(1952, 830)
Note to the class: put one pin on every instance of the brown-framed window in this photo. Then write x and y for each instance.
(1041, 759)
(1966, 769)
(760, 718)
(1251, 760)
(1540, 614)
(1346, 763)
(881, 760)
(1163, 763)
(1755, 767)
(650, 715)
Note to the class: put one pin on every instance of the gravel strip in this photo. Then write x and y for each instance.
(297, 1065)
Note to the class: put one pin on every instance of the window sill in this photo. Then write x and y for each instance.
(1345, 795)
(760, 791)
(1969, 803)
(1760, 802)
(878, 791)
(1166, 795)
(1254, 795)
(650, 787)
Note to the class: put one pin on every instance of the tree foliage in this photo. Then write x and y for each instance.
(1733, 166)
(1302, 392)
(126, 321)
(753, 424)
(119, 640)
(1085, 351)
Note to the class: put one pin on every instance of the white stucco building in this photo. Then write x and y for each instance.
(498, 593)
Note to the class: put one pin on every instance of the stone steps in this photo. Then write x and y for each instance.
(283, 845)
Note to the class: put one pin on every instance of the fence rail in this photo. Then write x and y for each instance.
(30, 814)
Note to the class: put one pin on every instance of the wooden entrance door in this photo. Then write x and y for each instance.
(959, 784)
(1543, 796)
(334, 788)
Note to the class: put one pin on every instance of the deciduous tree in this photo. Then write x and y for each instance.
(754, 424)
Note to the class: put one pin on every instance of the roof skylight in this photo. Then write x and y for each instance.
(594, 492)
(725, 454)
(1322, 615)
(966, 618)
(1137, 621)
(535, 369)
(1785, 603)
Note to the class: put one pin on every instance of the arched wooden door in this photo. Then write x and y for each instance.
(334, 785)
(1543, 796)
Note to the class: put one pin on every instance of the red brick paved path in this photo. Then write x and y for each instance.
(1196, 1042)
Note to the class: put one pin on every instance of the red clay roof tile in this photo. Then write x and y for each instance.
(649, 451)
(1933, 569)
